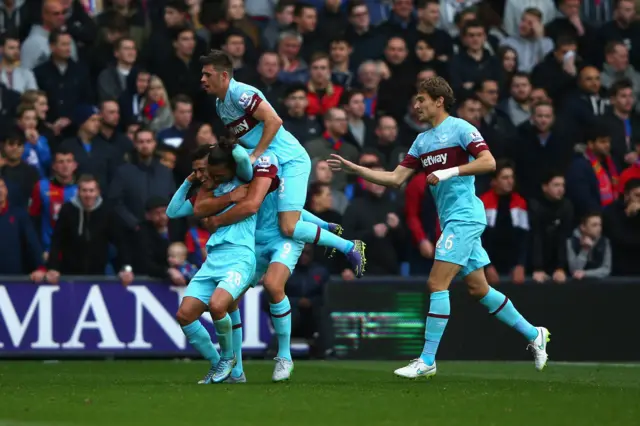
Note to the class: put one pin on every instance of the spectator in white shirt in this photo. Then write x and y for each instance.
(530, 43)
(12, 75)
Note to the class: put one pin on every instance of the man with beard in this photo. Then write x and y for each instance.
(109, 124)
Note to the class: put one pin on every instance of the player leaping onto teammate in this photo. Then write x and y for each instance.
(452, 152)
(246, 113)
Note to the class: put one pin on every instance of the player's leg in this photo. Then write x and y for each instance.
(501, 307)
(334, 228)
(237, 374)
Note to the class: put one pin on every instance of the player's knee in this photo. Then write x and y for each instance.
(274, 290)
(217, 308)
(435, 285)
(477, 290)
(184, 317)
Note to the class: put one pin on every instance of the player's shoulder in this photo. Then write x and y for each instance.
(267, 159)
(461, 125)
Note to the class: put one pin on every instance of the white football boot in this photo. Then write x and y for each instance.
(417, 368)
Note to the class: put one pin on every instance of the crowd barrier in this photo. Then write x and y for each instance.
(381, 318)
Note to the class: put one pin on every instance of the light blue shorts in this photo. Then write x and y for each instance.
(294, 179)
(461, 243)
(281, 250)
(229, 267)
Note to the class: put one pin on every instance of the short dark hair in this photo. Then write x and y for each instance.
(503, 164)
(424, 3)
(318, 56)
(62, 151)
(180, 99)
(179, 5)
(550, 175)
(299, 87)
(533, 11)
(283, 4)
(479, 84)
(220, 154)
(520, 74)
(565, 40)
(219, 60)
(618, 85)
(349, 94)
(541, 104)
(212, 13)
(233, 32)
(610, 47)
(10, 35)
(201, 152)
(437, 87)
(113, 20)
(316, 188)
(301, 6)
(631, 185)
(118, 43)
(86, 178)
(15, 137)
(340, 39)
(177, 32)
(467, 97)
(353, 4)
(143, 129)
(585, 218)
(55, 35)
(471, 24)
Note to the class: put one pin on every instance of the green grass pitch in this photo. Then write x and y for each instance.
(158, 393)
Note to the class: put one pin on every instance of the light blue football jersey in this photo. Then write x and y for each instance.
(267, 226)
(241, 233)
(453, 143)
(236, 112)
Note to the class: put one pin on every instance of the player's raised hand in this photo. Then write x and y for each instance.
(192, 177)
(337, 163)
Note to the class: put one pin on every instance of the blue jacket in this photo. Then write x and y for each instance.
(38, 156)
(19, 239)
(582, 187)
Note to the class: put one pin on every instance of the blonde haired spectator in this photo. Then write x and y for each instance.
(156, 112)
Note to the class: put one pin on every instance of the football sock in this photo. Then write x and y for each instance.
(225, 336)
(313, 234)
(236, 325)
(199, 338)
(311, 218)
(499, 305)
(244, 169)
(281, 318)
(437, 318)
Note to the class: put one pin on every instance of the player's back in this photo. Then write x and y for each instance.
(241, 233)
(236, 112)
(443, 147)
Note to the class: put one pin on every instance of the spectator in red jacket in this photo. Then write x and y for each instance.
(323, 95)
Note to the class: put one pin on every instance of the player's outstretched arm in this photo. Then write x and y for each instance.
(249, 205)
(179, 206)
(393, 179)
(272, 123)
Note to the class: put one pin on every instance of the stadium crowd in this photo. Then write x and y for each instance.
(101, 106)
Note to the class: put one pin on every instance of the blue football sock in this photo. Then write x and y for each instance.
(236, 325)
(311, 218)
(199, 338)
(225, 336)
(437, 318)
(499, 305)
(313, 234)
(281, 318)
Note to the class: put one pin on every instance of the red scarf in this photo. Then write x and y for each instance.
(608, 184)
(335, 144)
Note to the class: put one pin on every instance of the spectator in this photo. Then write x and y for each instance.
(373, 218)
(361, 128)
(132, 14)
(295, 120)
(181, 72)
(196, 241)
(82, 234)
(428, 31)
(588, 102)
(305, 290)
(333, 141)
(49, 195)
(322, 174)
(322, 95)
(543, 145)
(589, 253)
(113, 27)
(592, 178)
(267, 79)
(551, 219)
(136, 182)
(538, 95)
(156, 112)
(12, 75)
(569, 23)
(494, 119)
(36, 150)
(623, 125)
(622, 226)
(365, 40)
(14, 170)
(396, 90)
(320, 202)
(109, 124)
(508, 60)
(15, 18)
(234, 46)
(167, 156)
(294, 68)
(114, 80)
(624, 28)
(474, 62)
(597, 12)
(305, 22)
(391, 153)
(155, 235)
(19, 239)
(425, 59)
(94, 155)
(422, 222)
(452, 14)
(173, 136)
(556, 74)
(518, 105)
(464, 17)
(514, 9)
(341, 73)
(506, 237)
(133, 101)
(65, 90)
(530, 43)
(38, 99)
(236, 15)
(617, 67)
(36, 49)
(631, 172)
(369, 75)
(282, 19)
(177, 259)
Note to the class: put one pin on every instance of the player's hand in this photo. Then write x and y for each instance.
(540, 276)
(126, 277)
(393, 220)
(304, 303)
(192, 177)
(37, 276)
(578, 275)
(176, 277)
(426, 249)
(492, 275)
(432, 179)
(338, 163)
(559, 276)
(211, 225)
(239, 193)
(380, 230)
(53, 276)
(518, 275)
(252, 158)
(348, 275)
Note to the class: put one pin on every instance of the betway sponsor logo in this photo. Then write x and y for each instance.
(431, 160)
(240, 128)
